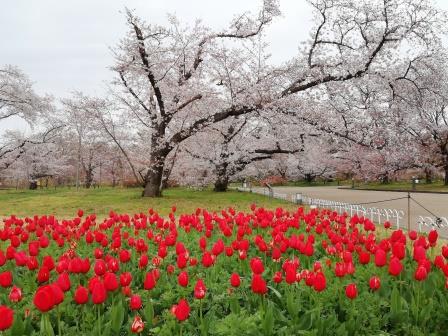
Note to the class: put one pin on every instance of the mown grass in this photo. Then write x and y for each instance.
(64, 202)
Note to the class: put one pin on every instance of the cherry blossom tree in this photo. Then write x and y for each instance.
(90, 142)
(169, 77)
(230, 146)
(18, 100)
(421, 105)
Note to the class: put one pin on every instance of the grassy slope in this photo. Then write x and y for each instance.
(65, 202)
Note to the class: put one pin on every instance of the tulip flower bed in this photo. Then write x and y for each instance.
(256, 273)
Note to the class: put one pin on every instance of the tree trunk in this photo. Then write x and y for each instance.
(222, 178)
(33, 185)
(89, 178)
(154, 176)
(428, 176)
(221, 184)
(309, 178)
(153, 186)
(445, 182)
(445, 164)
(385, 179)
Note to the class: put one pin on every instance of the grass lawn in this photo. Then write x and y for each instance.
(64, 202)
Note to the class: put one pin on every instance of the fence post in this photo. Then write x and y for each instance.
(409, 211)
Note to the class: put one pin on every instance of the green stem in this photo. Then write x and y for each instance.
(99, 320)
(181, 329)
(200, 312)
(418, 302)
(59, 320)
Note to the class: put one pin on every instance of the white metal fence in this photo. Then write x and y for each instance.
(378, 215)
(432, 222)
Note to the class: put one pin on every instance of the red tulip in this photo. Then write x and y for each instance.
(137, 325)
(44, 241)
(136, 302)
(349, 268)
(58, 294)
(100, 267)
(15, 295)
(395, 266)
(125, 279)
(181, 310)
(110, 282)
(156, 273)
(199, 289)
(340, 270)
(320, 282)
(44, 298)
(278, 277)
(399, 250)
(218, 247)
(291, 274)
(33, 248)
(125, 256)
(48, 262)
(235, 280)
(419, 253)
(99, 293)
(432, 237)
(182, 279)
(207, 259)
(43, 275)
(126, 291)
(413, 235)
(364, 257)
(63, 281)
(6, 279)
(6, 317)
(445, 251)
(229, 251)
(81, 295)
(32, 263)
(375, 283)
(420, 273)
(380, 257)
(2, 258)
(256, 265)
(113, 265)
(182, 260)
(143, 261)
(258, 284)
(439, 261)
(150, 282)
(351, 291)
(98, 253)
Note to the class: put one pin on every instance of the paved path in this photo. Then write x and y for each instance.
(437, 203)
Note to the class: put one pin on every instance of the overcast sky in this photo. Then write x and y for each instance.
(64, 45)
